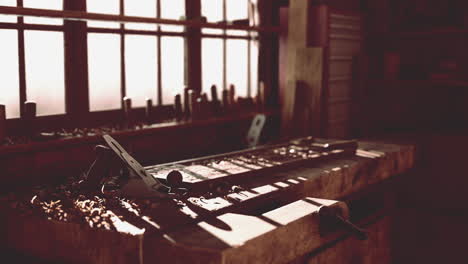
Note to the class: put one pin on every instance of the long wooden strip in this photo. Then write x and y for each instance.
(85, 16)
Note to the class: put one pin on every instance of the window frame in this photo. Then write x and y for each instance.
(76, 75)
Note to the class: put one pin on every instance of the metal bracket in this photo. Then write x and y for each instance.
(255, 130)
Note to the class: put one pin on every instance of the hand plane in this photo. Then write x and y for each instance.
(117, 173)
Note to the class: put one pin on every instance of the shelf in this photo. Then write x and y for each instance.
(425, 33)
(167, 128)
(453, 83)
(85, 16)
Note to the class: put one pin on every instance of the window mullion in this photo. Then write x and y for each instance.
(21, 61)
(158, 55)
(225, 84)
(123, 90)
(76, 61)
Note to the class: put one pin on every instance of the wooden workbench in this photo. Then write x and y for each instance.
(273, 220)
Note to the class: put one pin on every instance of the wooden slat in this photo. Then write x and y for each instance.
(339, 89)
(341, 68)
(339, 111)
(344, 26)
(85, 16)
(345, 17)
(344, 46)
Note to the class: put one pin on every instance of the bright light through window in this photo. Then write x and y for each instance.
(236, 9)
(254, 52)
(236, 65)
(212, 66)
(104, 71)
(43, 4)
(172, 68)
(9, 69)
(213, 11)
(172, 9)
(142, 8)
(141, 68)
(45, 82)
(8, 18)
(103, 7)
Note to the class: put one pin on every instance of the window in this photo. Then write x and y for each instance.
(33, 51)
(45, 82)
(104, 71)
(9, 69)
(230, 57)
(139, 61)
(75, 67)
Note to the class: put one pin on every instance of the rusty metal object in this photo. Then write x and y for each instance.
(255, 130)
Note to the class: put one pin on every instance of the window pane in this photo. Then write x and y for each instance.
(103, 7)
(212, 64)
(236, 9)
(43, 4)
(141, 68)
(172, 68)
(142, 8)
(45, 83)
(254, 68)
(104, 71)
(213, 11)
(9, 69)
(236, 65)
(172, 9)
(8, 18)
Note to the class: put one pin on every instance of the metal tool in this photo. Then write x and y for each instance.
(139, 182)
(255, 130)
(332, 216)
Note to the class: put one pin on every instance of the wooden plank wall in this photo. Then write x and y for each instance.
(335, 39)
(345, 44)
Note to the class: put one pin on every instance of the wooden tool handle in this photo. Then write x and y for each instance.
(127, 107)
(149, 111)
(29, 117)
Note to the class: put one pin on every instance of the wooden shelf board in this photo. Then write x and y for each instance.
(453, 83)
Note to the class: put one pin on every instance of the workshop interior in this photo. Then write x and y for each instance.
(233, 131)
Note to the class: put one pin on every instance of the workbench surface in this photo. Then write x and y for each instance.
(270, 220)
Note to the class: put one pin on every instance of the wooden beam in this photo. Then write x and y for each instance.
(85, 16)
